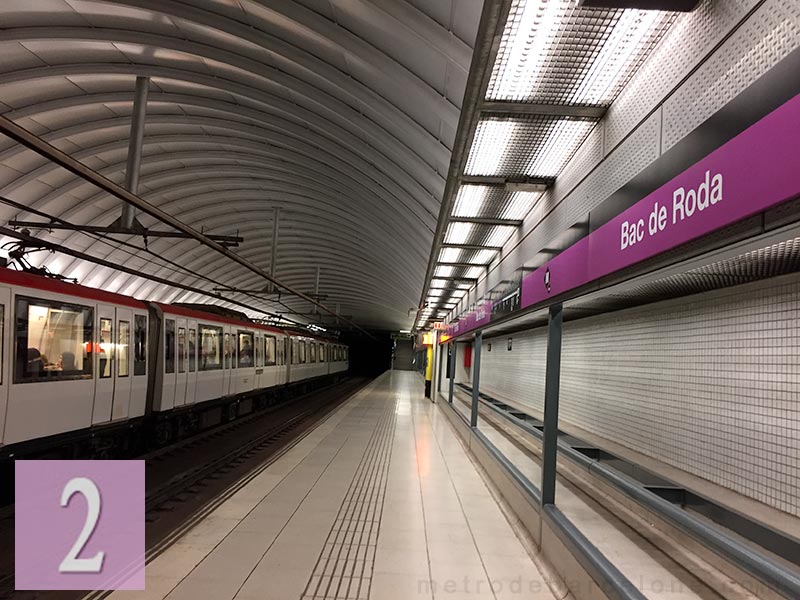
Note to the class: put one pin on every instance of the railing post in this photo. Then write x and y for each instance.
(476, 378)
(551, 389)
(452, 363)
(440, 360)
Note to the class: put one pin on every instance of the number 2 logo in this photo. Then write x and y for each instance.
(72, 563)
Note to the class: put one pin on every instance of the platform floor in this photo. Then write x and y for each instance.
(379, 502)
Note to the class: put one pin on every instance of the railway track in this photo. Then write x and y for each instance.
(188, 479)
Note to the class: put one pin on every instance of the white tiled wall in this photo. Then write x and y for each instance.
(708, 383)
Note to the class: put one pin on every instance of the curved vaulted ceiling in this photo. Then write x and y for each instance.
(342, 113)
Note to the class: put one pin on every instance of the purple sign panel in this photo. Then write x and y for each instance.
(752, 172)
(472, 320)
(79, 525)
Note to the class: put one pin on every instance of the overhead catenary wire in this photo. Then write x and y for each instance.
(170, 265)
(43, 148)
(55, 247)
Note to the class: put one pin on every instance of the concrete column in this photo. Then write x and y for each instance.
(476, 378)
(551, 392)
(135, 149)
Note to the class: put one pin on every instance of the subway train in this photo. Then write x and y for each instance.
(96, 374)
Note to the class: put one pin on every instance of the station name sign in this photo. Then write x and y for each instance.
(754, 171)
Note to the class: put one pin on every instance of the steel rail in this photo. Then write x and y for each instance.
(38, 145)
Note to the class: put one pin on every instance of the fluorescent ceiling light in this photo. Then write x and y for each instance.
(499, 235)
(564, 139)
(458, 233)
(469, 201)
(528, 34)
(553, 51)
(435, 293)
(520, 205)
(450, 254)
(443, 271)
(492, 137)
(475, 272)
(484, 257)
(539, 147)
(624, 49)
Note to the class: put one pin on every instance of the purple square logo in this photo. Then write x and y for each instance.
(79, 525)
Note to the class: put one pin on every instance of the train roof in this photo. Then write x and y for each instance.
(56, 286)
(194, 313)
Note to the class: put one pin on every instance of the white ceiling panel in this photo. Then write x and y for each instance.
(342, 114)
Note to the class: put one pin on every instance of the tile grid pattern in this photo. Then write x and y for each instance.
(344, 567)
(708, 384)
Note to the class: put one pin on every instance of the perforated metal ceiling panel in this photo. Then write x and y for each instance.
(341, 113)
(555, 52)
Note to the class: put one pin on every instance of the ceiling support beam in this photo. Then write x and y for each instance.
(534, 184)
(128, 218)
(487, 221)
(458, 279)
(473, 247)
(273, 249)
(461, 264)
(226, 240)
(43, 148)
(316, 290)
(556, 110)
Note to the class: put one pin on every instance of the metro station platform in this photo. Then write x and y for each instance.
(381, 501)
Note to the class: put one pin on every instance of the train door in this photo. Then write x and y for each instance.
(170, 375)
(121, 365)
(191, 369)
(6, 352)
(227, 360)
(103, 351)
(259, 378)
(182, 356)
(287, 357)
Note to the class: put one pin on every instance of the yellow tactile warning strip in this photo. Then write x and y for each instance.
(344, 567)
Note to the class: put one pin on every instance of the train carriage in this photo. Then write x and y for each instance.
(82, 364)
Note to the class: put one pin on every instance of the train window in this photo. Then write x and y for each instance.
(181, 349)
(303, 352)
(312, 347)
(322, 353)
(210, 347)
(140, 345)
(106, 348)
(123, 348)
(169, 345)
(245, 350)
(259, 351)
(192, 350)
(227, 351)
(54, 340)
(279, 352)
(270, 353)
